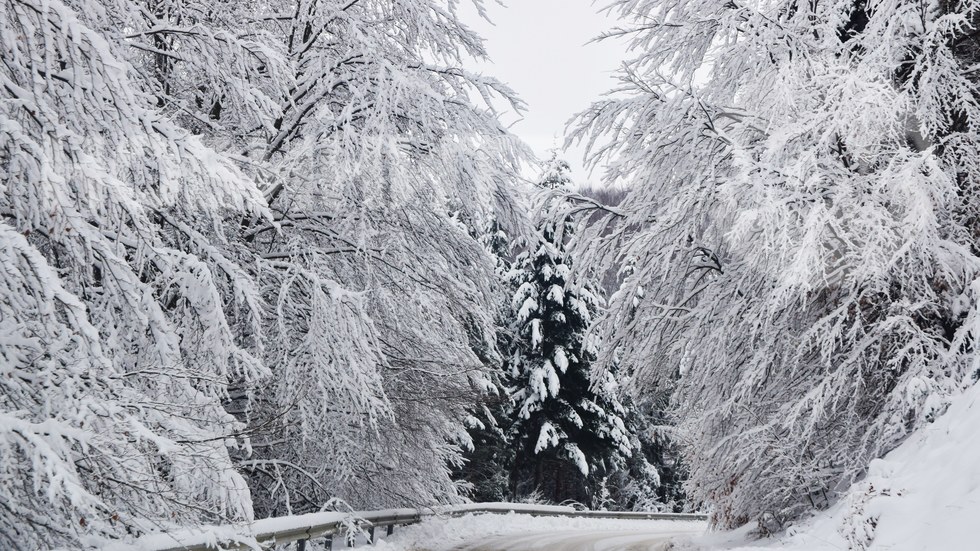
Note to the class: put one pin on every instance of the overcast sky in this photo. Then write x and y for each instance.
(540, 48)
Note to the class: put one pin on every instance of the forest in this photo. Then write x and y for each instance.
(260, 259)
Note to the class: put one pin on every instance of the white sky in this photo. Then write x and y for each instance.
(540, 48)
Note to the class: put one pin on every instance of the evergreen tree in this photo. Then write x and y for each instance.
(568, 429)
(652, 478)
(488, 461)
(556, 173)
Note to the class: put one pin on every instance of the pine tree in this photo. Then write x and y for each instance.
(567, 428)
(652, 478)
(488, 460)
(556, 173)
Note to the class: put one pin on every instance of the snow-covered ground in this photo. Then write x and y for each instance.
(923, 496)
(515, 532)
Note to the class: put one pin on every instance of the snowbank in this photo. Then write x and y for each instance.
(923, 496)
(926, 493)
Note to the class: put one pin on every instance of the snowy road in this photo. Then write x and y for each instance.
(516, 532)
(581, 540)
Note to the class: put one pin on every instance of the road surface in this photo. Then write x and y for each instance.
(583, 540)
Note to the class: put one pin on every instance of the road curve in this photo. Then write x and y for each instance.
(580, 540)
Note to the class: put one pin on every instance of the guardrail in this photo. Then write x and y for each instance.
(301, 529)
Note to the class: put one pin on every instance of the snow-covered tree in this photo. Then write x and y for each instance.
(802, 227)
(226, 247)
(557, 173)
(358, 120)
(379, 143)
(488, 462)
(567, 427)
(115, 346)
(652, 478)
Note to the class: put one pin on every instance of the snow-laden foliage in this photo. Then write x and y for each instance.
(115, 347)
(801, 234)
(226, 248)
(556, 174)
(487, 465)
(567, 426)
(652, 478)
(377, 142)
